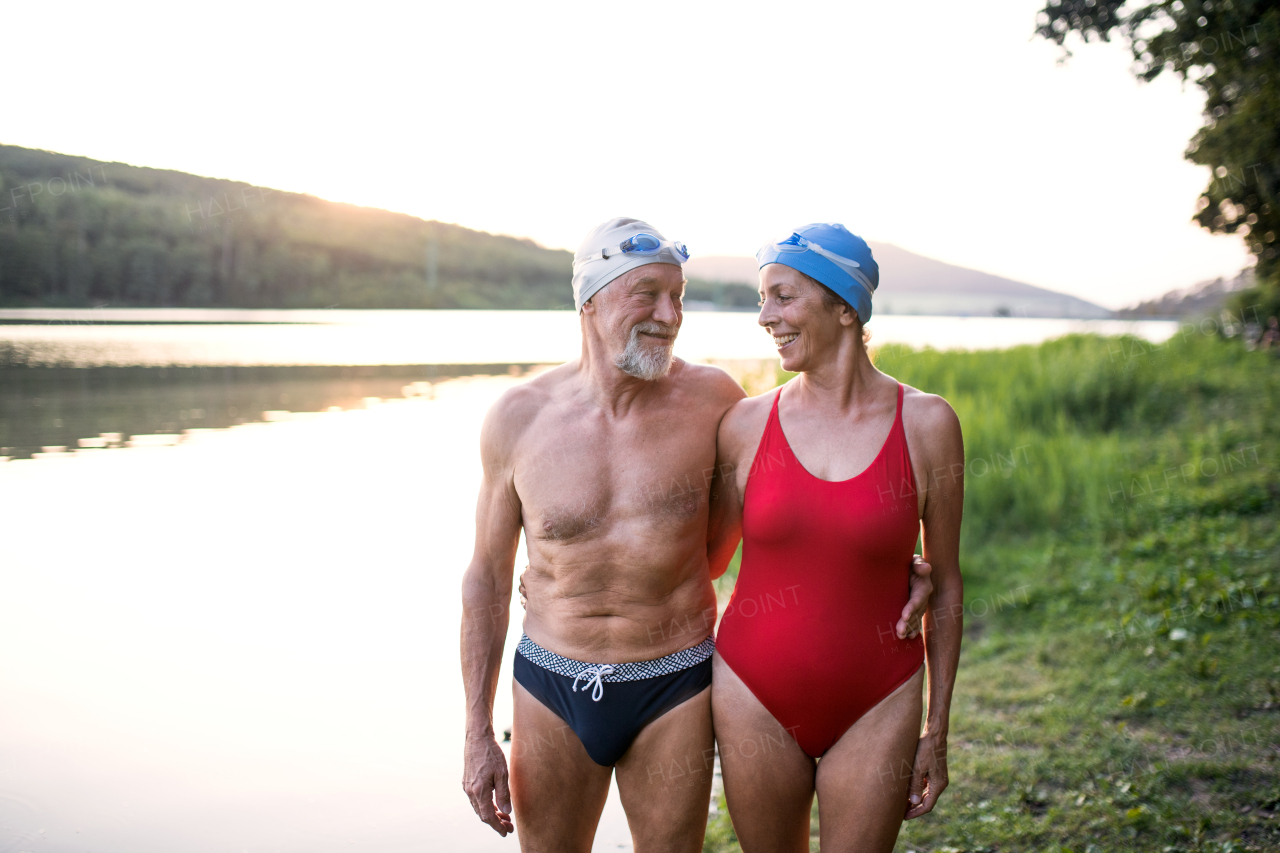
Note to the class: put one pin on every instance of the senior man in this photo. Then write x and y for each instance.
(607, 463)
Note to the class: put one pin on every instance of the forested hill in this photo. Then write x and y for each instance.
(81, 232)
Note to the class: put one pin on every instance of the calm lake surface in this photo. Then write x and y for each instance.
(233, 543)
(214, 338)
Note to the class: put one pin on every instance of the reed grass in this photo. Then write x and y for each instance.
(1119, 685)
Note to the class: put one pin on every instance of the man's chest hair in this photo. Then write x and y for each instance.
(569, 493)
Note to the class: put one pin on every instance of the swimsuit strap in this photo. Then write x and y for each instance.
(898, 429)
(773, 428)
(775, 420)
(904, 450)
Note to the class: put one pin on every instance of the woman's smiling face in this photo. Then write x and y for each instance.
(805, 328)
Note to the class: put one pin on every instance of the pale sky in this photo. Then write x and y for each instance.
(950, 133)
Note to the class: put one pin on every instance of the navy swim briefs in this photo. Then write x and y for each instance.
(607, 705)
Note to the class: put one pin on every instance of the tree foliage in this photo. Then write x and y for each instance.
(1231, 50)
(76, 232)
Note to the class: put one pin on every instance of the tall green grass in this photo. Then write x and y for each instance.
(1055, 434)
(1129, 699)
(1132, 454)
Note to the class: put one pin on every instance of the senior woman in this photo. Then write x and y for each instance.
(833, 477)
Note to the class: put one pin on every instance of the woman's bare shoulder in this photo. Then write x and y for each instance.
(928, 417)
(744, 423)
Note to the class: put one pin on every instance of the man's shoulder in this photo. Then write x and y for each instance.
(708, 383)
(519, 407)
(518, 404)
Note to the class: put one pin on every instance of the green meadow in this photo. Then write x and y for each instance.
(1119, 686)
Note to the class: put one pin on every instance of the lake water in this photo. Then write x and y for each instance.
(214, 338)
(233, 543)
(246, 641)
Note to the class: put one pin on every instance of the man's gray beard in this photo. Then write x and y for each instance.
(645, 362)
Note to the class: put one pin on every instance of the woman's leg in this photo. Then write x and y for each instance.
(862, 781)
(768, 780)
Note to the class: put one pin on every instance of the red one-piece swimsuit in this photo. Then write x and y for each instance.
(811, 626)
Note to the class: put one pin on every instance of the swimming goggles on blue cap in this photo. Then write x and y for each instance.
(797, 243)
(643, 244)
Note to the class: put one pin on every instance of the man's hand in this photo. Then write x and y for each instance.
(928, 776)
(921, 589)
(484, 778)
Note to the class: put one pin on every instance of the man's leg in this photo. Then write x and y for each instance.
(664, 780)
(557, 791)
(768, 778)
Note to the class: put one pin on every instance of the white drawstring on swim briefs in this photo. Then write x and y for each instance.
(593, 674)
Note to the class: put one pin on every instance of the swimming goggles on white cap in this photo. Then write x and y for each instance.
(641, 244)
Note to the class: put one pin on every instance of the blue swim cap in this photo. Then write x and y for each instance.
(831, 254)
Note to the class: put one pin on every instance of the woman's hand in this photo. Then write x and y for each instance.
(928, 775)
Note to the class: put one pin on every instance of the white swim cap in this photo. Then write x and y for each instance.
(616, 247)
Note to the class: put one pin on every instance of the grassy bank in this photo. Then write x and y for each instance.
(1119, 685)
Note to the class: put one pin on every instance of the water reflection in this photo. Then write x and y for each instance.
(215, 338)
(59, 409)
(248, 641)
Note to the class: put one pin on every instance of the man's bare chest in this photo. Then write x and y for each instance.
(582, 482)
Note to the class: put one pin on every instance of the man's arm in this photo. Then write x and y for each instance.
(486, 600)
(724, 527)
(724, 520)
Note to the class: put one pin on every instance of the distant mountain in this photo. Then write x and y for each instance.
(76, 232)
(81, 232)
(1199, 300)
(914, 284)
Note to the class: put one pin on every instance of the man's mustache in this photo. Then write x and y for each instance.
(653, 327)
